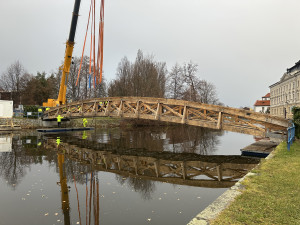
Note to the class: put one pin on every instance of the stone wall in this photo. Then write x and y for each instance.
(23, 122)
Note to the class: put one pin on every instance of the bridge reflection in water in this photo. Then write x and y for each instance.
(176, 168)
(178, 155)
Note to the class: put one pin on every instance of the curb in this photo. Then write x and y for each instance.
(221, 203)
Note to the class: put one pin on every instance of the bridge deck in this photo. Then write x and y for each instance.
(174, 111)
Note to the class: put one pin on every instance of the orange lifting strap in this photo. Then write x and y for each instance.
(97, 63)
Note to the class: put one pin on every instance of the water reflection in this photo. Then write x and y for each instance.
(174, 139)
(138, 158)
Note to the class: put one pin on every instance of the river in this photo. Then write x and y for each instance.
(153, 175)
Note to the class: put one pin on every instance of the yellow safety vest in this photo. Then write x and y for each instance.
(59, 117)
(58, 141)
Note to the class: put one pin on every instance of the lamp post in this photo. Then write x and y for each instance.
(285, 107)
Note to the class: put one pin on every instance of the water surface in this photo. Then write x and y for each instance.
(116, 176)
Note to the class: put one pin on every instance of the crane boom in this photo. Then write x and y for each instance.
(61, 100)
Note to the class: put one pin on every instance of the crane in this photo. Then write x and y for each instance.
(61, 99)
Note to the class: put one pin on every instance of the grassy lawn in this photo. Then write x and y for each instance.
(273, 195)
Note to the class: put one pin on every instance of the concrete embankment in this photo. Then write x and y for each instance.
(222, 202)
(268, 195)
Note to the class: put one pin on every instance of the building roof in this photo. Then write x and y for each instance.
(292, 72)
(262, 103)
(266, 96)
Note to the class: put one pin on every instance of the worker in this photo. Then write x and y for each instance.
(84, 121)
(39, 144)
(47, 108)
(40, 111)
(59, 117)
(84, 136)
(58, 141)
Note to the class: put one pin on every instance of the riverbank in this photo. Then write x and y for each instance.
(272, 195)
(99, 122)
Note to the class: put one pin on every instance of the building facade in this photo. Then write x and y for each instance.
(263, 106)
(284, 94)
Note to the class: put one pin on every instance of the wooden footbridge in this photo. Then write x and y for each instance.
(177, 168)
(175, 111)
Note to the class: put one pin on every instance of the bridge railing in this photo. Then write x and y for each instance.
(291, 136)
(174, 111)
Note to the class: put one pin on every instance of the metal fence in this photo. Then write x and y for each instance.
(291, 136)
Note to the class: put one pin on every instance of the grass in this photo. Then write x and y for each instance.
(273, 195)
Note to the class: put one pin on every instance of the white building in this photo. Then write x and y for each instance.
(6, 109)
(5, 144)
(285, 93)
(263, 106)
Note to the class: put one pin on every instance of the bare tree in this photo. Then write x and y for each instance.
(11, 78)
(207, 92)
(145, 77)
(175, 82)
(190, 77)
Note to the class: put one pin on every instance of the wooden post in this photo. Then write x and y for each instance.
(156, 165)
(205, 113)
(106, 113)
(184, 115)
(119, 162)
(158, 111)
(81, 110)
(105, 161)
(94, 108)
(219, 172)
(120, 108)
(135, 162)
(183, 170)
(11, 122)
(137, 110)
(219, 125)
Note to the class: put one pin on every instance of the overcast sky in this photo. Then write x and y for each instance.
(241, 46)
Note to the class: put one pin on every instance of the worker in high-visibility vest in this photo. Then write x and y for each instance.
(47, 108)
(59, 117)
(40, 112)
(58, 141)
(84, 136)
(84, 121)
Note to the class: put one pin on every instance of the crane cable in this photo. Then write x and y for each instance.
(97, 62)
(94, 39)
(100, 42)
(87, 27)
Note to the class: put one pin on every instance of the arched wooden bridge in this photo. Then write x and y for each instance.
(175, 111)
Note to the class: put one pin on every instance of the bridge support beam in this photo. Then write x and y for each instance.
(158, 111)
(184, 114)
(219, 125)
